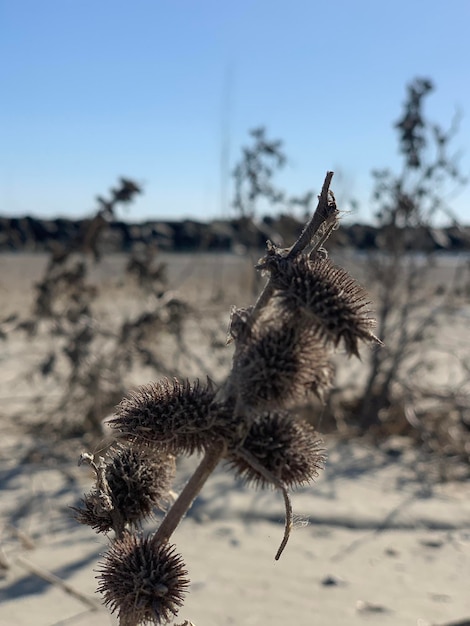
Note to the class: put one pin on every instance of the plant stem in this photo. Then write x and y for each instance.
(188, 495)
(274, 480)
(324, 211)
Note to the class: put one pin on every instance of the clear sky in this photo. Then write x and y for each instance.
(154, 90)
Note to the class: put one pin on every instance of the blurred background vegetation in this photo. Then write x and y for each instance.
(112, 301)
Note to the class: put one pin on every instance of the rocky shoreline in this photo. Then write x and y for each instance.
(38, 235)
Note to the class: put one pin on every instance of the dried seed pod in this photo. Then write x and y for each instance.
(95, 511)
(238, 322)
(136, 483)
(140, 481)
(170, 414)
(286, 448)
(276, 366)
(335, 302)
(143, 583)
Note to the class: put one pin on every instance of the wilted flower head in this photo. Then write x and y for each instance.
(173, 415)
(287, 448)
(143, 583)
(276, 365)
(336, 304)
(135, 483)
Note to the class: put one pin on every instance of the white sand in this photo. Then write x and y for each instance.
(394, 552)
(394, 545)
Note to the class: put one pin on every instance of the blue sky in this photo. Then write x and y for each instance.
(153, 89)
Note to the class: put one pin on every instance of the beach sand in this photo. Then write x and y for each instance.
(377, 540)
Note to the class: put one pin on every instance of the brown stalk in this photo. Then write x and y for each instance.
(325, 212)
(184, 501)
(52, 579)
(269, 476)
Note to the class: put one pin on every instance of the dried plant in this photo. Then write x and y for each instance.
(253, 174)
(90, 358)
(411, 309)
(142, 581)
(131, 483)
(283, 346)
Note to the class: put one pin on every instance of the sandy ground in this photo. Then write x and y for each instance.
(377, 540)
(372, 545)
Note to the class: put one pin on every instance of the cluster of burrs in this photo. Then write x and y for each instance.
(282, 353)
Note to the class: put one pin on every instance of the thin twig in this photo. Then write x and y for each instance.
(26, 540)
(269, 476)
(117, 519)
(330, 225)
(324, 211)
(188, 495)
(58, 582)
